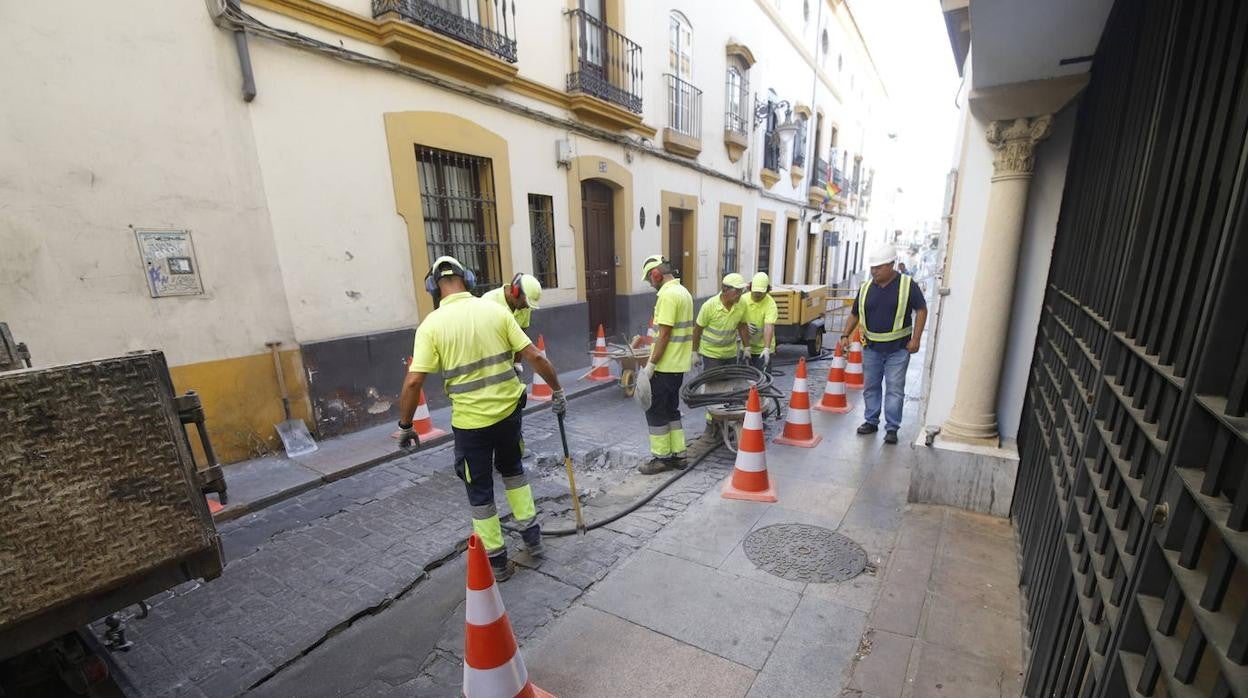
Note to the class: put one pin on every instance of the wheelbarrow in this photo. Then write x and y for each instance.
(630, 360)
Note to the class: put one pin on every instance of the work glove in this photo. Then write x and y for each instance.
(559, 402)
(408, 438)
(766, 357)
(641, 391)
(743, 356)
(697, 361)
(519, 369)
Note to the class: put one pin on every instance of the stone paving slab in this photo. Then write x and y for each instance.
(814, 653)
(635, 661)
(735, 618)
(713, 527)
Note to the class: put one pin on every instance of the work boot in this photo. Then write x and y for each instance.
(653, 466)
(503, 568)
(890, 436)
(677, 462)
(533, 540)
(867, 428)
(711, 434)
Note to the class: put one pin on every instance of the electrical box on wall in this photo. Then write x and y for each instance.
(169, 262)
(563, 152)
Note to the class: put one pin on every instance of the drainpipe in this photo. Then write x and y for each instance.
(244, 58)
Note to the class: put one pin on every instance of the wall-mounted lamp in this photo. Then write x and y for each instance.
(770, 109)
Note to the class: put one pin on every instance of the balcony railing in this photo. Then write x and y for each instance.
(605, 63)
(819, 178)
(771, 151)
(684, 107)
(736, 106)
(493, 33)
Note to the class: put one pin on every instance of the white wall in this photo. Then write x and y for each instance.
(1043, 207)
(112, 120)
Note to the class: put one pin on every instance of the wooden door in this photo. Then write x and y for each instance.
(790, 253)
(812, 244)
(599, 230)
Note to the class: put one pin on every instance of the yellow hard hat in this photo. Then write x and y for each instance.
(760, 282)
(735, 280)
(532, 289)
(651, 262)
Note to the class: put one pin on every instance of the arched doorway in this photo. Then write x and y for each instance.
(598, 226)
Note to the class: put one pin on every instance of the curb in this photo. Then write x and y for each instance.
(231, 512)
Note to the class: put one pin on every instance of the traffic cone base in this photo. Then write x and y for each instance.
(797, 428)
(749, 479)
(492, 662)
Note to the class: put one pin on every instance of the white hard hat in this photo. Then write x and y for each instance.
(885, 254)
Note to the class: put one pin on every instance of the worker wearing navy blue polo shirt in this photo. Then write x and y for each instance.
(884, 308)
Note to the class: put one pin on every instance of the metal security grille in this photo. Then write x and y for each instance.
(1132, 497)
(542, 237)
(457, 194)
(764, 247)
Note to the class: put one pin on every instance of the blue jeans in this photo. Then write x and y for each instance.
(889, 368)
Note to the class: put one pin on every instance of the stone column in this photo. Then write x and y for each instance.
(974, 416)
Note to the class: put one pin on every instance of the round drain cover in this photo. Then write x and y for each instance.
(802, 553)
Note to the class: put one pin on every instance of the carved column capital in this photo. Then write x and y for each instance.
(1014, 144)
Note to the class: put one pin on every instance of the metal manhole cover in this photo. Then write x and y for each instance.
(802, 553)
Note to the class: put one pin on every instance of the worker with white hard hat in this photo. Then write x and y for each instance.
(892, 312)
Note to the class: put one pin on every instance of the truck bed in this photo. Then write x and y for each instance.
(99, 503)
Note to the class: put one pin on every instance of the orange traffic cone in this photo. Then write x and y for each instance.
(853, 370)
(493, 667)
(600, 370)
(422, 422)
(797, 429)
(834, 399)
(540, 390)
(647, 339)
(749, 475)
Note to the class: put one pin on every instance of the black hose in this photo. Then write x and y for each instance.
(557, 532)
(694, 396)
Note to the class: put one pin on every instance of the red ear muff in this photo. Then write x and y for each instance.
(516, 290)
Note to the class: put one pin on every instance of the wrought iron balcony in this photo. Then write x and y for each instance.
(493, 33)
(799, 144)
(605, 63)
(736, 104)
(819, 178)
(771, 152)
(684, 107)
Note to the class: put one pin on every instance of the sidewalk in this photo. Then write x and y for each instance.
(936, 613)
(261, 482)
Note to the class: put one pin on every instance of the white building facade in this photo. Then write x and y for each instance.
(203, 180)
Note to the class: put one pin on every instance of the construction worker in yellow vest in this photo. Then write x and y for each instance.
(670, 357)
(520, 298)
(471, 341)
(892, 312)
(716, 331)
(761, 314)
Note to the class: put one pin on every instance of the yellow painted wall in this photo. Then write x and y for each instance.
(242, 404)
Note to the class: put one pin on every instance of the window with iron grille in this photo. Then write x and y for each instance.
(728, 263)
(764, 246)
(457, 195)
(542, 238)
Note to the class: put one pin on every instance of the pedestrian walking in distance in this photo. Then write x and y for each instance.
(670, 358)
(891, 311)
(472, 341)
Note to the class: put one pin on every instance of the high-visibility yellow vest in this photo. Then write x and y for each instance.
(899, 330)
(471, 341)
(759, 314)
(523, 316)
(719, 328)
(674, 308)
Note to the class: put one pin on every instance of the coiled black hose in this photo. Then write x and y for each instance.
(702, 390)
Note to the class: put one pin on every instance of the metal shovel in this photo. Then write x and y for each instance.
(293, 432)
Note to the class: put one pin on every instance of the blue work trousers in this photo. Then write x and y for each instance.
(888, 368)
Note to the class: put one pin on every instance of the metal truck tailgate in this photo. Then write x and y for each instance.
(99, 507)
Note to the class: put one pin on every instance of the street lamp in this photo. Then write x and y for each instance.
(785, 130)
